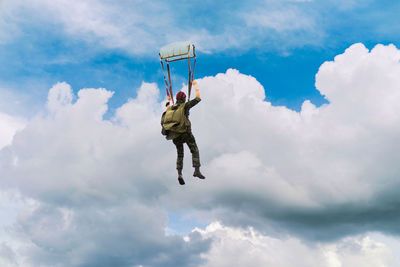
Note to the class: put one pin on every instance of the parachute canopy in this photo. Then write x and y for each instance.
(173, 52)
(177, 51)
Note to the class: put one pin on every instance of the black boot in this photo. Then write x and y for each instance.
(180, 178)
(198, 174)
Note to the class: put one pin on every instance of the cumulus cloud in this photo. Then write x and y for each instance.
(102, 188)
(248, 247)
(9, 125)
(81, 210)
(323, 168)
(128, 234)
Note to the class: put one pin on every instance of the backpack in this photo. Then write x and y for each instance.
(175, 120)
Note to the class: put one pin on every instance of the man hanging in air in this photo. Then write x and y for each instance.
(177, 127)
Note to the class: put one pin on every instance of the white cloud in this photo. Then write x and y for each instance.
(280, 20)
(248, 247)
(142, 27)
(7, 256)
(112, 25)
(9, 126)
(321, 173)
(7, 29)
(127, 234)
(59, 96)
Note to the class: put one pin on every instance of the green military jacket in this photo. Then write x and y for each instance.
(175, 120)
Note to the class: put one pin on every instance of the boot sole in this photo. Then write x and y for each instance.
(200, 177)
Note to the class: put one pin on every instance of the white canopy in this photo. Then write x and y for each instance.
(177, 51)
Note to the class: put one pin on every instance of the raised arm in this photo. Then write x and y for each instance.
(194, 101)
(197, 89)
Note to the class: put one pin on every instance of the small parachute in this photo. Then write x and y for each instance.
(174, 52)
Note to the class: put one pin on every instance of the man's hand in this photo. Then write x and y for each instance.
(167, 104)
(197, 89)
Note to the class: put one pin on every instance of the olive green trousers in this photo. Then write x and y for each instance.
(187, 138)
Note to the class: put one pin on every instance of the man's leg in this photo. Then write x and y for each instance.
(179, 159)
(191, 142)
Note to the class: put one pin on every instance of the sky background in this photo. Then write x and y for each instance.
(298, 132)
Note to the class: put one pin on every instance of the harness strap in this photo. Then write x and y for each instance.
(165, 78)
(170, 86)
(190, 81)
(194, 66)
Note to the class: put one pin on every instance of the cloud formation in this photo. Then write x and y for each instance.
(324, 168)
(143, 27)
(247, 247)
(80, 210)
(102, 188)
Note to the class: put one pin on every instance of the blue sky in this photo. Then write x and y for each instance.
(307, 182)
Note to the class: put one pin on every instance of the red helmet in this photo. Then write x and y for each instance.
(180, 96)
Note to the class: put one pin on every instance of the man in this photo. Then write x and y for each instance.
(177, 127)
